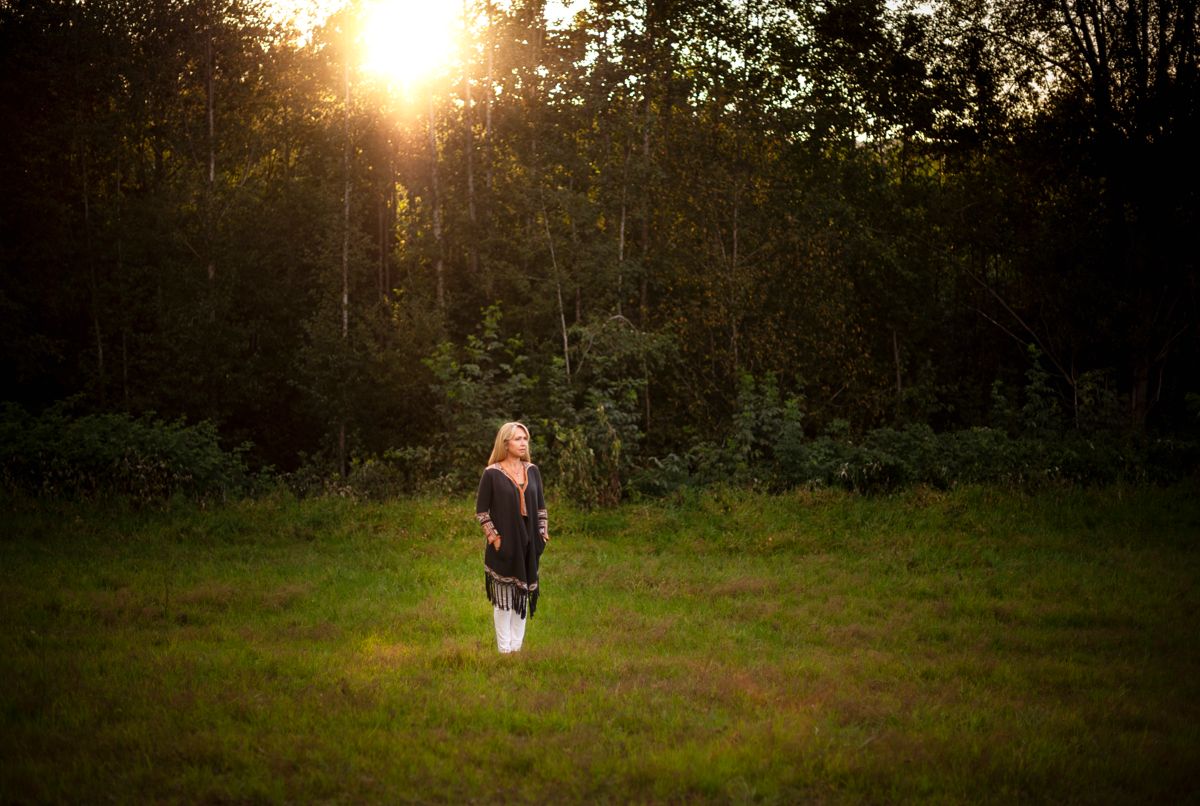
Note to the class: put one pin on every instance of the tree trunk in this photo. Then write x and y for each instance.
(435, 192)
(342, 466)
(393, 212)
(380, 283)
(735, 286)
(487, 126)
(211, 187)
(387, 225)
(896, 356)
(469, 118)
(621, 231)
(93, 281)
(644, 305)
(125, 367)
(562, 316)
(342, 448)
(346, 205)
(120, 270)
(1139, 397)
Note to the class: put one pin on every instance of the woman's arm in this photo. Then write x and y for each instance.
(483, 513)
(543, 517)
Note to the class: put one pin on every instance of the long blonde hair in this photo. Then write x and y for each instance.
(500, 449)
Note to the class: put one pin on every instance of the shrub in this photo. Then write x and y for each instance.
(589, 476)
(763, 419)
(886, 459)
(142, 458)
(662, 476)
(478, 387)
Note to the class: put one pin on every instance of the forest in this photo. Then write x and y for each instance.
(779, 242)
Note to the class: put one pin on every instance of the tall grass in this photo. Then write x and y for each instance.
(976, 645)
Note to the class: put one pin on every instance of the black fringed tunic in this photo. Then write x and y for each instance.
(510, 574)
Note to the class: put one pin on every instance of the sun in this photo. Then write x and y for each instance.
(404, 41)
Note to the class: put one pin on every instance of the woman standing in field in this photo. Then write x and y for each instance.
(511, 508)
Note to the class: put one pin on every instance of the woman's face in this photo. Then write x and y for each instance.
(518, 445)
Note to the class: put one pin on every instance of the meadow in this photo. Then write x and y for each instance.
(978, 645)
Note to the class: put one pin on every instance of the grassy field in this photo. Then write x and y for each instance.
(968, 646)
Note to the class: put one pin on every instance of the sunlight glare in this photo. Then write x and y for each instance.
(406, 40)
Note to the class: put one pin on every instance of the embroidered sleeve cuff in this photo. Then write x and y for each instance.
(543, 520)
(485, 520)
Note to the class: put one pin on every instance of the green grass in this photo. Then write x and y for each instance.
(969, 646)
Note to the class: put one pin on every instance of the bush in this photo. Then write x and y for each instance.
(588, 458)
(1029, 445)
(478, 387)
(142, 458)
(662, 476)
(886, 459)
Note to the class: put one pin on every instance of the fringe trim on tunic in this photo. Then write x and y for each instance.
(511, 594)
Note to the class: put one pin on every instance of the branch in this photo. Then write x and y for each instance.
(591, 339)
(1078, 38)
(1029, 49)
(557, 285)
(1047, 351)
(1012, 335)
(183, 237)
(247, 172)
(624, 319)
(1162, 354)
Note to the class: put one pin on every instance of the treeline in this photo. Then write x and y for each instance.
(767, 446)
(624, 230)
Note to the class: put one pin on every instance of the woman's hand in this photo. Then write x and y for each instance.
(494, 540)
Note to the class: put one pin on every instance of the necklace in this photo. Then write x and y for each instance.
(520, 485)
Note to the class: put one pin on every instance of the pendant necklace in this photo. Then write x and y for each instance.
(520, 485)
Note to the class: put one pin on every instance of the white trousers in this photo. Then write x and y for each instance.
(510, 629)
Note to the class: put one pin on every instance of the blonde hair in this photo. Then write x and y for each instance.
(500, 449)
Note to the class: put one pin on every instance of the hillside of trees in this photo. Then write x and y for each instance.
(673, 237)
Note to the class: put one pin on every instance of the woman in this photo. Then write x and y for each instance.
(511, 508)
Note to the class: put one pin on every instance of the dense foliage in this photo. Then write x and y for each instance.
(104, 455)
(774, 240)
